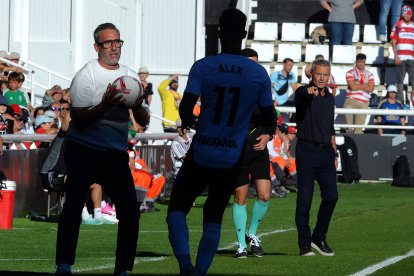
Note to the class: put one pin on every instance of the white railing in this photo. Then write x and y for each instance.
(401, 112)
(32, 83)
(9, 138)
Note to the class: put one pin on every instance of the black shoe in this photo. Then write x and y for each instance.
(306, 252)
(189, 271)
(255, 246)
(323, 248)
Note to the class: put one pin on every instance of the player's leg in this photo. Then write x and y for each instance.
(188, 185)
(221, 186)
(80, 172)
(240, 219)
(261, 175)
(119, 187)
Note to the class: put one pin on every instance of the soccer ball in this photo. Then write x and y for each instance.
(130, 89)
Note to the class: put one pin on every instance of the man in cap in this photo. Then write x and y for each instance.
(391, 102)
(402, 39)
(170, 99)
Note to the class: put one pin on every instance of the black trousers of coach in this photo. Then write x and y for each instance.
(110, 169)
(314, 162)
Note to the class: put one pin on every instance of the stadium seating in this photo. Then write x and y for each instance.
(266, 51)
(315, 49)
(339, 73)
(293, 32)
(267, 67)
(371, 34)
(376, 71)
(265, 31)
(355, 37)
(293, 51)
(375, 54)
(344, 54)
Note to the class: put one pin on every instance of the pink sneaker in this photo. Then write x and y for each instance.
(108, 210)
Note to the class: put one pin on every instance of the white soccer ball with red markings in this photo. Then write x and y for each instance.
(130, 89)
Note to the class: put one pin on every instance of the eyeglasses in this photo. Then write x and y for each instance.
(64, 108)
(56, 108)
(109, 43)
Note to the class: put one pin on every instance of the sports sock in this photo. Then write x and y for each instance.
(97, 214)
(85, 213)
(239, 221)
(207, 247)
(258, 212)
(178, 236)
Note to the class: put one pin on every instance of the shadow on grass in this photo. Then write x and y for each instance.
(151, 254)
(231, 253)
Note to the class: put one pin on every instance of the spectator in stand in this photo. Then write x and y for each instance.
(341, 20)
(14, 57)
(66, 95)
(38, 111)
(5, 68)
(284, 84)
(13, 94)
(64, 109)
(331, 85)
(143, 74)
(402, 39)
(4, 126)
(170, 99)
(43, 126)
(385, 7)
(391, 102)
(360, 85)
(53, 94)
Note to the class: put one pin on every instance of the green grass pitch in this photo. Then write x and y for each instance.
(371, 224)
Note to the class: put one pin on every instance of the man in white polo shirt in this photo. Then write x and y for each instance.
(402, 38)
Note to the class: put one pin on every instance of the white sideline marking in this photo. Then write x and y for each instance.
(260, 235)
(137, 261)
(373, 268)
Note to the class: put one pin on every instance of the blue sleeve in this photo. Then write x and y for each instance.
(194, 82)
(265, 96)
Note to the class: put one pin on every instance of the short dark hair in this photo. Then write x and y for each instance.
(361, 56)
(104, 26)
(319, 62)
(248, 52)
(286, 60)
(14, 76)
(232, 24)
(319, 56)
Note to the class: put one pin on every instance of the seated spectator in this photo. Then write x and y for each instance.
(170, 99)
(284, 84)
(331, 85)
(360, 85)
(56, 124)
(281, 159)
(53, 94)
(66, 95)
(147, 186)
(43, 126)
(4, 125)
(13, 94)
(38, 111)
(391, 102)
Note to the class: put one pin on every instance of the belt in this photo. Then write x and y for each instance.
(315, 144)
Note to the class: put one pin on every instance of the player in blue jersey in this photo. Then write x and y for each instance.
(230, 86)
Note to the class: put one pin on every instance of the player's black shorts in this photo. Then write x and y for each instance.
(256, 164)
